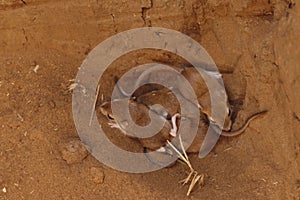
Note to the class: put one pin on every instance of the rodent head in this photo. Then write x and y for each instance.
(106, 110)
(206, 109)
(228, 122)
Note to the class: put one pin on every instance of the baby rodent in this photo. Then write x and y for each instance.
(140, 115)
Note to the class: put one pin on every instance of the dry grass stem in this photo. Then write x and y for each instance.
(94, 105)
(193, 176)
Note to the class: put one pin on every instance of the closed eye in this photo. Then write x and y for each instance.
(229, 112)
(109, 116)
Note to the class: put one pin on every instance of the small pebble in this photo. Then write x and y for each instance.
(4, 190)
(97, 175)
(36, 68)
(74, 151)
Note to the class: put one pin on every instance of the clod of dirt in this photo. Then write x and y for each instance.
(74, 152)
(97, 175)
(37, 135)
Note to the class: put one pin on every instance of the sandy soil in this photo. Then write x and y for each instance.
(254, 43)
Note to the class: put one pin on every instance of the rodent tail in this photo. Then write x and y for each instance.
(243, 128)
